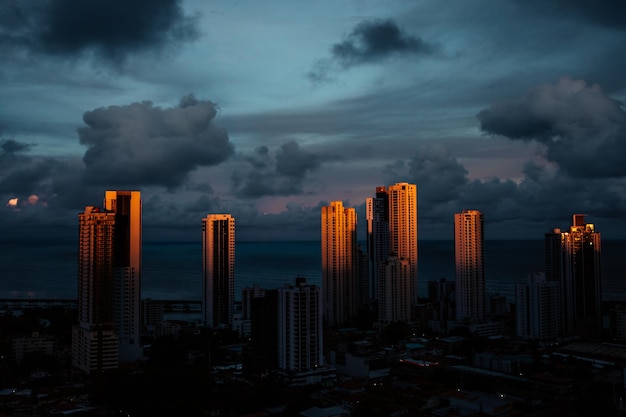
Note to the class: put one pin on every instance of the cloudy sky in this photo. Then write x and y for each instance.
(269, 110)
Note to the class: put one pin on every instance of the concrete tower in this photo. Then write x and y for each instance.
(109, 284)
(573, 260)
(339, 263)
(470, 270)
(403, 228)
(218, 269)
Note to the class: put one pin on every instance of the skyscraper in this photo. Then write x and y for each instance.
(300, 336)
(339, 263)
(109, 284)
(377, 218)
(537, 308)
(394, 297)
(392, 228)
(470, 268)
(573, 260)
(403, 228)
(218, 269)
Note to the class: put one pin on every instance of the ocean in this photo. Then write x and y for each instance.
(174, 270)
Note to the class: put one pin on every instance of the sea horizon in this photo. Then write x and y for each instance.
(173, 270)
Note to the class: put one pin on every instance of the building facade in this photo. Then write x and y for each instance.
(537, 309)
(394, 296)
(300, 330)
(377, 218)
(340, 265)
(573, 260)
(403, 228)
(392, 228)
(108, 331)
(218, 270)
(469, 266)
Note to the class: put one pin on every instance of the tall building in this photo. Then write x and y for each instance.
(441, 295)
(248, 295)
(394, 297)
(340, 264)
(537, 309)
(261, 354)
(109, 284)
(392, 228)
(300, 337)
(377, 218)
(470, 266)
(573, 260)
(218, 269)
(403, 228)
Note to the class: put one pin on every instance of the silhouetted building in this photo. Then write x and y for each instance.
(218, 270)
(248, 295)
(109, 284)
(441, 295)
(394, 295)
(362, 278)
(470, 266)
(573, 260)
(617, 322)
(537, 309)
(262, 353)
(340, 264)
(377, 218)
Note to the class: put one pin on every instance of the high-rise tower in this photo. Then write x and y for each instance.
(537, 308)
(403, 228)
(300, 335)
(470, 269)
(218, 269)
(394, 297)
(339, 263)
(377, 218)
(573, 260)
(109, 284)
(127, 267)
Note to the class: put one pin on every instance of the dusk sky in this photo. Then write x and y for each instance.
(269, 110)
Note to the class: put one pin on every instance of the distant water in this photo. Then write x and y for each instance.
(174, 270)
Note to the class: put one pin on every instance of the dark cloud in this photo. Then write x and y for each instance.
(375, 40)
(545, 198)
(110, 28)
(292, 161)
(141, 144)
(283, 175)
(369, 41)
(582, 129)
(11, 146)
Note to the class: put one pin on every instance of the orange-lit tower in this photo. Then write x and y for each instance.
(470, 266)
(109, 284)
(127, 270)
(218, 269)
(573, 260)
(403, 229)
(339, 263)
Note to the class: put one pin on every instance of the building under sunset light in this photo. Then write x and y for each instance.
(470, 266)
(109, 284)
(573, 260)
(339, 263)
(218, 269)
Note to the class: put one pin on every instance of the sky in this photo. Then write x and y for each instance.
(271, 110)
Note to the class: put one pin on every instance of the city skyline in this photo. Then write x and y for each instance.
(511, 108)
